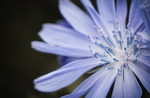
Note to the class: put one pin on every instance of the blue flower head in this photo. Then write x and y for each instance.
(105, 42)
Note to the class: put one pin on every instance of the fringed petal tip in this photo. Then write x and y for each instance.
(41, 89)
(36, 83)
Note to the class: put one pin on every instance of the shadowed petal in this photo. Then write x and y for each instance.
(63, 60)
(132, 88)
(145, 60)
(64, 76)
(64, 23)
(86, 85)
(142, 66)
(79, 20)
(142, 75)
(145, 51)
(106, 9)
(47, 48)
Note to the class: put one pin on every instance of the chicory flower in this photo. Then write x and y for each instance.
(109, 43)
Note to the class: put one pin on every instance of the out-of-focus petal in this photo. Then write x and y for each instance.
(79, 20)
(86, 85)
(122, 12)
(64, 76)
(106, 9)
(142, 75)
(47, 48)
(132, 88)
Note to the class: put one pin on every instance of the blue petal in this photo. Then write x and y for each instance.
(132, 88)
(63, 60)
(79, 20)
(102, 86)
(138, 27)
(142, 66)
(122, 12)
(64, 23)
(145, 60)
(142, 75)
(106, 9)
(145, 51)
(66, 38)
(99, 21)
(135, 19)
(48, 48)
(118, 91)
(64, 76)
(86, 85)
(144, 6)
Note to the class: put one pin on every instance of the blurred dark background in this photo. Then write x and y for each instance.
(21, 21)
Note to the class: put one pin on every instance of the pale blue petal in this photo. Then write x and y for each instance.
(118, 91)
(133, 10)
(144, 6)
(85, 85)
(64, 76)
(122, 12)
(102, 86)
(106, 9)
(135, 19)
(79, 63)
(47, 48)
(142, 75)
(64, 37)
(132, 88)
(79, 20)
(99, 21)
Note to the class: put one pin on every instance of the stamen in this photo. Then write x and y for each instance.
(110, 68)
(119, 71)
(136, 46)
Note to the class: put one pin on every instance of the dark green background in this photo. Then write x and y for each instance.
(20, 64)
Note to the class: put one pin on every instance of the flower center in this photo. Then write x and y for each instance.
(116, 46)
